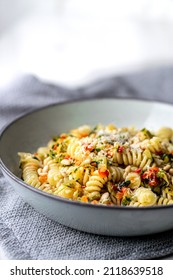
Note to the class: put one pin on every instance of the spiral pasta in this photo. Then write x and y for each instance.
(144, 197)
(94, 185)
(115, 173)
(166, 197)
(105, 165)
(135, 180)
(135, 157)
(54, 175)
(80, 174)
(165, 133)
(30, 166)
(74, 149)
(153, 144)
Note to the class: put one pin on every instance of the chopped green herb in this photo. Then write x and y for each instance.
(163, 178)
(55, 145)
(63, 147)
(60, 158)
(147, 133)
(55, 138)
(98, 150)
(123, 184)
(35, 158)
(52, 154)
(126, 201)
(78, 180)
(166, 158)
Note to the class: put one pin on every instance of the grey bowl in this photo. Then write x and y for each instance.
(35, 129)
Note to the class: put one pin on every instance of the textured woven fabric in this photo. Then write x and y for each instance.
(26, 234)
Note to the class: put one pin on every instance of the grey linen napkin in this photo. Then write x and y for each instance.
(26, 234)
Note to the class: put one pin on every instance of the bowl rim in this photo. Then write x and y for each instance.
(65, 200)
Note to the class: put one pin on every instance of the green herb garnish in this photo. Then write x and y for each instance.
(126, 201)
(147, 133)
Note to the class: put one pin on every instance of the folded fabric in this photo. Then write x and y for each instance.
(26, 234)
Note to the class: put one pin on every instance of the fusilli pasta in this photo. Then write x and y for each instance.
(105, 165)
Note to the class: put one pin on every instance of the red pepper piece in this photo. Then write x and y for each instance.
(103, 172)
(120, 149)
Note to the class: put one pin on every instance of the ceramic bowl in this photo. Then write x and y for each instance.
(35, 129)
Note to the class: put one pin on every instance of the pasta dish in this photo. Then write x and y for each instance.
(105, 165)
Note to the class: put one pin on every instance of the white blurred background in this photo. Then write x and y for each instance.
(72, 42)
